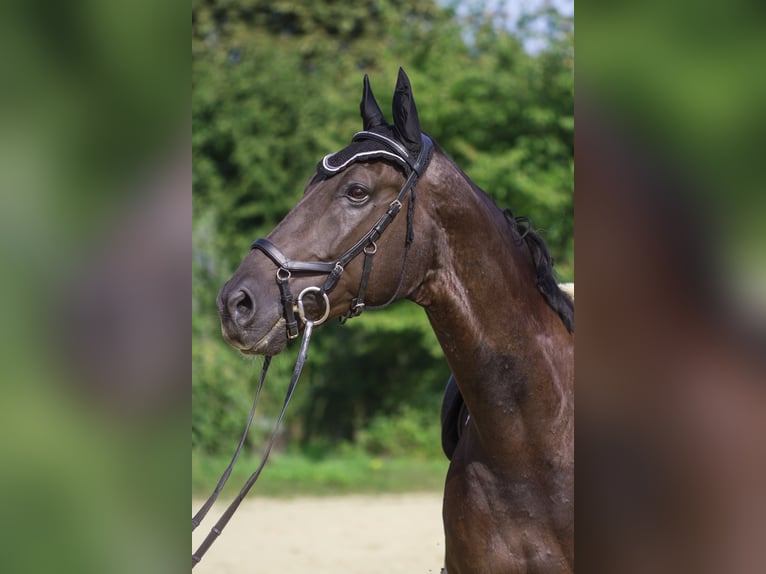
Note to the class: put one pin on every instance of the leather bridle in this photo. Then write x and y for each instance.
(286, 267)
(334, 269)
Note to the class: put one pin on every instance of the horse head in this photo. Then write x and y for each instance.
(343, 247)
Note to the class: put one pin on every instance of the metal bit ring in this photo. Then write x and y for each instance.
(302, 311)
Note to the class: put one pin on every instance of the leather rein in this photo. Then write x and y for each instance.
(334, 269)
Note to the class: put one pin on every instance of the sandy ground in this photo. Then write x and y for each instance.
(391, 534)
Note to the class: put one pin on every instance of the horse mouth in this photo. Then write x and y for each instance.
(272, 343)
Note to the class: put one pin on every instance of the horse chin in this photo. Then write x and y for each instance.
(272, 343)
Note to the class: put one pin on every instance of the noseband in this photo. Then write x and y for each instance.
(286, 268)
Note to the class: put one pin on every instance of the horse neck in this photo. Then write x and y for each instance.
(510, 354)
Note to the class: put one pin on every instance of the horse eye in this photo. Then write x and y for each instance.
(357, 194)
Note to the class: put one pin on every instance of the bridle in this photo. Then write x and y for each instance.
(334, 269)
(286, 267)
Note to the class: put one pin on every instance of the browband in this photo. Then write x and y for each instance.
(386, 148)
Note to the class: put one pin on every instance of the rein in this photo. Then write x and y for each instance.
(334, 269)
(202, 512)
(231, 509)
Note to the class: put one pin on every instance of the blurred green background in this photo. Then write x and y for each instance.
(94, 113)
(684, 83)
(94, 228)
(275, 87)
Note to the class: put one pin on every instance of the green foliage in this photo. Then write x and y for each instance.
(222, 386)
(410, 432)
(275, 87)
(367, 369)
(345, 472)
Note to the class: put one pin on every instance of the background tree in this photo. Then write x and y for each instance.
(276, 86)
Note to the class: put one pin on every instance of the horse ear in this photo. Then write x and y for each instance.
(372, 117)
(406, 122)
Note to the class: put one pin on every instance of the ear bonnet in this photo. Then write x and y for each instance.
(400, 144)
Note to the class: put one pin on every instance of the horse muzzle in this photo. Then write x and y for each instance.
(248, 325)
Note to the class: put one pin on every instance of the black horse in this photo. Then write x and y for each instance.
(486, 284)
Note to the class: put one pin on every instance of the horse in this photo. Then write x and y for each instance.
(485, 281)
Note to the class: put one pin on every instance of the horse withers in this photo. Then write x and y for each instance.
(389, 217)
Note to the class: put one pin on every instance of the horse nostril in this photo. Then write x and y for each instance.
(241, 306)
(244, 304)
